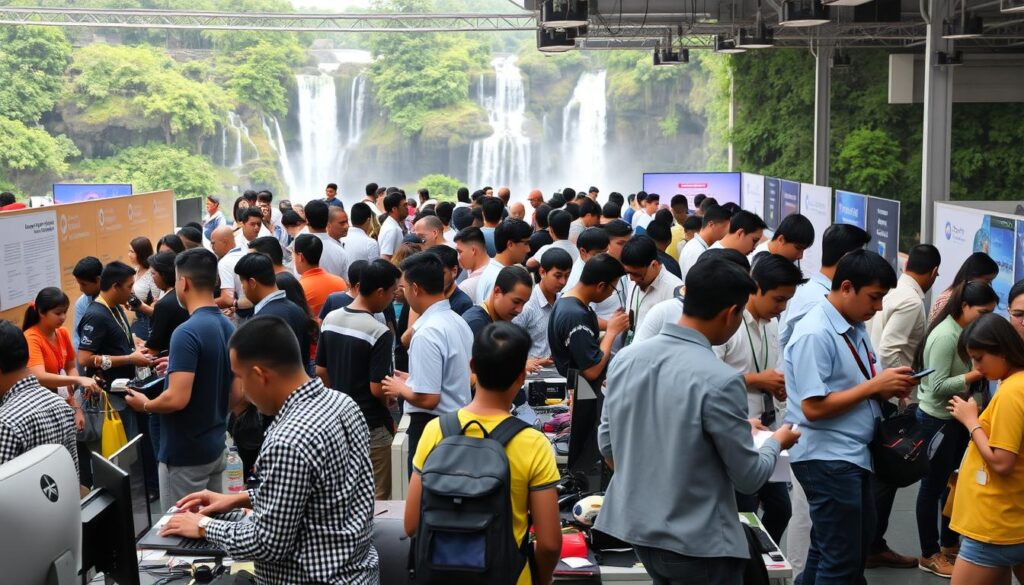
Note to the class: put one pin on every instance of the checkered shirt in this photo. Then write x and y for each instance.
(312, 514)
(30, 416)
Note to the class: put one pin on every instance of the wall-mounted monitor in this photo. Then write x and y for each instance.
(75, 192)
(724, 187)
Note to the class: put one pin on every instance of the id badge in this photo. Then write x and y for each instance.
(981, 477)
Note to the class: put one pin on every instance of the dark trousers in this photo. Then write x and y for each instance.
(669, 568)
(842, 505)
(932, 527)
(885, 495)
(773, 498)
(149, 448)
(417, 422)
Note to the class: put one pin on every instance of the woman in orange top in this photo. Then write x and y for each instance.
(51, 357)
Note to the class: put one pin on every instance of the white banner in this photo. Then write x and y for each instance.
(28, 248)
(815, 205)
(752, 193)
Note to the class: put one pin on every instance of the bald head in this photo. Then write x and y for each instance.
(536, 198)
(517, 210)
(429, 229)
(222, 240)
(504, 194)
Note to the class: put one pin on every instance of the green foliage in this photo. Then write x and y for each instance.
(32, 63)
(265, 177)
(441, 187)
(32, 149)
(870, 159)
(154, 167)
(259, 74)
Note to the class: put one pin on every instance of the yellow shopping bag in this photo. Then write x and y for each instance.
(113, 436)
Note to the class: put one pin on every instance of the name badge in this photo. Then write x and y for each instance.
(981, 477)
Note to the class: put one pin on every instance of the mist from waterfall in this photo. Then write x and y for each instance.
(585, 133)
(504, 157)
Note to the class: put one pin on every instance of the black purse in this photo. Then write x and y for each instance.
(900, 448)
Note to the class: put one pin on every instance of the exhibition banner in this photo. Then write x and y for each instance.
(772, 202)
(883, 223)
(724, 187)
(753, 194)
(790, 198)
(960, 231)
(76, 192)
(1018, 270)
(816, 206)
(29, 262)
(851, 209)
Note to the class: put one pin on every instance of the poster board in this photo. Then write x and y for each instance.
(101, 228)
(961, 230)
(875, 215)
(816, 206)
(724, 187)
(28, 262)
(752, 193)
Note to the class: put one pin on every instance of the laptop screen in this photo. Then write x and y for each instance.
(129, 460)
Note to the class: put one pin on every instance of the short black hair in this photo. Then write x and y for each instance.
(355, 272)
(462, 195)
(540, 215)
(270, 247)
(393, 200)
(511, 231)
(448, 255)
(269, 341)
(444, 211)
(592, 239)
(173, 242)
(251, 212)
(641, 196)
(163, 264)
(746, 221)
(864, 268)
(370, 189)
(264, 196)
(708, 202)
(693, 223)
(191, 234)
(716, 214)
(249, 195)
(923, 258)
(839, 240)
(631, 197)
(332, 186)
(14, 348)
(88, 268)
(360, 214)
(572, 208)
(678, 200)
(616, 198)
(728, 254)
(500, 351)
(200, 266)
(732, 206)
(257, 267)
(558, 222)
(509, 276)
(653, 197)
(291, 218)
(659, 232)
(664, 216)
(640, 250)
(556, 258)
(698, 199)
(797, 229)
(617, 228)
(317, 214)
(471, 235)
(589, 207)
(715, 285)
(311, 248)
(425, 270)
(492, 207)
(194, 224)
(611, 210)
(213, 199)
(378, 275)
(114, 273)
(602, 268)
(568, 193)
(774, 271)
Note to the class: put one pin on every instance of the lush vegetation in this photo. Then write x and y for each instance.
(441, 187)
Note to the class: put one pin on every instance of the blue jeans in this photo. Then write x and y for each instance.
(842, 504)
(669, 568)
(773, 497)
(932, 527)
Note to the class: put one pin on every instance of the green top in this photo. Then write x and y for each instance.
(949, 377)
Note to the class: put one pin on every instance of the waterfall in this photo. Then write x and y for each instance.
(320, 141)
(276, 141)
(357, 106)
(223, 145)
(236, 124)
(503, 158)
(585, 131)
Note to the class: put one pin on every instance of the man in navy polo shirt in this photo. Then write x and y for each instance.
(194, 406)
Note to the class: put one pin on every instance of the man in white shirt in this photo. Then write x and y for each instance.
(337, 224)
(559, 222)
(512, 241)
(333, 259)
(554, 270)
(745, 230)
(899, 328)
(754, 351)
(244, 236)
(795, 234)
(473, 258)
(714, 226)
(651, 282)
(648, 207)
(359, 245)
(391, 232)
(592, 241)
(222, 242)
(590, 216)
(444, 212)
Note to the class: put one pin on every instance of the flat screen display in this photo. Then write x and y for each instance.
(724, 187)
(75, 192)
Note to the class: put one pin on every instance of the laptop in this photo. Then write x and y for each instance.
(186, 547)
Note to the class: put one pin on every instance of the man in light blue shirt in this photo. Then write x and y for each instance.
(87, 272)
(676, 415)
(832, 383)
(438, 378)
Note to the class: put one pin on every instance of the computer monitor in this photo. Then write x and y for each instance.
(129, 460)
(584, 460)
(39, 518)
(108, 525)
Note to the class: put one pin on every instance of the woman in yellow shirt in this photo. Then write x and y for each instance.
(988, 509)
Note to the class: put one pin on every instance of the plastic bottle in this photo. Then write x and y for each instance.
(234, 474)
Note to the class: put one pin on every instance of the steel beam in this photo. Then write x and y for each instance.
(822, 111)
(938, 116)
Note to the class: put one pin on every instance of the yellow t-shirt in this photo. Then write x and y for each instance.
(677, 236)
(531, 466)
(994, 512)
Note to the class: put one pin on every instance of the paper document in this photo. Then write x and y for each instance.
(782, 472)
(577, 562)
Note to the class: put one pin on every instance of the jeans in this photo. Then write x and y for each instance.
(842, 504)
(932, 527)
(885, 495)
(774, 498)
(669, 568)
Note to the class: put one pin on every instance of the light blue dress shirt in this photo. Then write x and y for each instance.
(81, 305)
(439, 358)
(807, 296)
(818, 362)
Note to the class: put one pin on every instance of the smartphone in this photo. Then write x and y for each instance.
(922, 373)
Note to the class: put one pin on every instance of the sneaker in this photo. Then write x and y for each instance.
(890, 558)
(951, 553)
(936, 565)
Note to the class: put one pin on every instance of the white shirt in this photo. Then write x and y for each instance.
(641, 219)
(468, 284)
(566, 245)
(667, 311)
(439, 358)
(334, 258)
(640, 301)
(241, 242)
(534, 318)
(226, 271)
(689, 252)
(762, 247)
(754, 348)
(449, 236)
(390, 237)
(575, 229)
(485, 284)
(899, 328)
(359, 246)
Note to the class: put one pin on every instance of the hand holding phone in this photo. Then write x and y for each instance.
(921, 374)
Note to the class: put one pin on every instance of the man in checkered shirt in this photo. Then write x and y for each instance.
(312, 514)
(30, 415)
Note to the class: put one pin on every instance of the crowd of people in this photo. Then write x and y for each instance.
(305, 332)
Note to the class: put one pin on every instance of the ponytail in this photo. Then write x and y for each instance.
(48, 299)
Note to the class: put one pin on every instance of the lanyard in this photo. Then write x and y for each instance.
(121, 323)
(753, 352)
(856, 356)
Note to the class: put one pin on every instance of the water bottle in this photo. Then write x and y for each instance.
(234, 474)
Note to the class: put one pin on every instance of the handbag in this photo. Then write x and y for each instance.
(92, 412)
(900, 448)
(113, 435)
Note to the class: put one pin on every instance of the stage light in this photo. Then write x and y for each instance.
(727, 46)
(670, 57)
(557, 40)
(967, 27)
(803, 13)
(760, 38)
(563, 13)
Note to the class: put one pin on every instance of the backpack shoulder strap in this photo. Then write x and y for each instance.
(507, 429)
(450, 426)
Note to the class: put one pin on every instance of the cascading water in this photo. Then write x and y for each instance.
(319, 138)
(276, 141)
(357, 106)
(585, 131)
(241, 130)
(504, 157)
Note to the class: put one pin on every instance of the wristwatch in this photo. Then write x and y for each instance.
(203, 523)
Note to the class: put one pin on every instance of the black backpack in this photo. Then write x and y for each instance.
(465, 530)
(900, 447)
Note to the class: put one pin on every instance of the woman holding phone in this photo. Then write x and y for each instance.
(952, 376)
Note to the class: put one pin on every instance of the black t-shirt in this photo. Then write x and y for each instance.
(670, 264)
(477, 318)
(572, 337)
(460, 301)
(539, 240)
(294, 316)
(167, 315)
(356, 349)
(106, 331)
(335, 301)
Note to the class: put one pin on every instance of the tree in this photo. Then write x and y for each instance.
(870, 162)
(32, 64)
(259, 74)
(154, 167)
(28, 150)
(441, 187)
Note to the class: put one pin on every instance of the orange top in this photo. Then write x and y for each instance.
(318, 284)
(43, 352)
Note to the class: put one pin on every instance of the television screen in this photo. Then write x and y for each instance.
(724, 187)
(75, 192)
